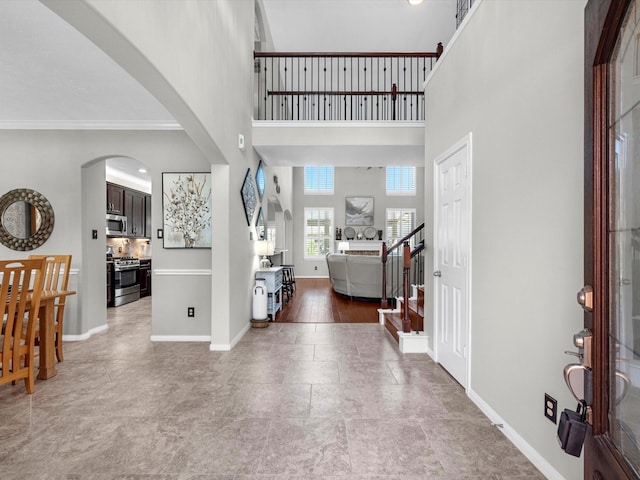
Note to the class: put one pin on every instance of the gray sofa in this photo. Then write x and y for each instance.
(359, 276)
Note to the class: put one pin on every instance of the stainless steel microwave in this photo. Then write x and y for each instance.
(116, 225)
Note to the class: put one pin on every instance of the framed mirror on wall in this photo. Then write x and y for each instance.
(26, 219)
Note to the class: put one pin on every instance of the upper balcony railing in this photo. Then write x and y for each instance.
(341, 86)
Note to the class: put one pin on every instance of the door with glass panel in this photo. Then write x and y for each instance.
(612, 238)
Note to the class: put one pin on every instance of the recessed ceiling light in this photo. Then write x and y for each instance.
(414, 2)
(142, 170)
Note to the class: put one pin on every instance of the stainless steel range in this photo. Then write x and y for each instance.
(126, 276)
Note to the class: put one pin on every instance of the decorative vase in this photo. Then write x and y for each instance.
(260, 296)
(379, 234)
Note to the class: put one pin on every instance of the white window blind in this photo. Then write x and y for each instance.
(318, 180)
(401, 180)
(400, 222)
(318, 232)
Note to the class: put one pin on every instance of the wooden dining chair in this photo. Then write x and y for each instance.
(19, 317)
(56, 278)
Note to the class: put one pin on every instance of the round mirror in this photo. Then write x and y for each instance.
(26, 219)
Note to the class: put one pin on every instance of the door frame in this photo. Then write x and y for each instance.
(465, 143)
(603, 20)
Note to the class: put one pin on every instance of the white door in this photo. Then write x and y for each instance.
(452, 258)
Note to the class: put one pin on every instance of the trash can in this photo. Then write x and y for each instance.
(260, 298)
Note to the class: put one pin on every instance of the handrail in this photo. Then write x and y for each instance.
(418, 248)
(335, 92)
(435, 54)
(406, 266)
(406, 237)
(378, 86)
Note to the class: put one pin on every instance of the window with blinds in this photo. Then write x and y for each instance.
(401, 180)
(400, 223)
(318, 233)
(318, 180)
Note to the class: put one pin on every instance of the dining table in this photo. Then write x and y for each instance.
(47, 338)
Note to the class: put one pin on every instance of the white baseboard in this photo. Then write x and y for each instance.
(312, 276)
(414, 342)
(225, 347)
(84, 336)
(180, 338)
(521, 444)
(382, 311)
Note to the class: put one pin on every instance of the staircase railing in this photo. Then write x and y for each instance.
(411, 269)
(341, 86)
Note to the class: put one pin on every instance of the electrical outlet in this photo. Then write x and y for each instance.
(191, 312)
(315, 268)
(550, 407)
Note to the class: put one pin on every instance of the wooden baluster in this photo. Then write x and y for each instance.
(383, 301)
(394, 97)
(406, 257)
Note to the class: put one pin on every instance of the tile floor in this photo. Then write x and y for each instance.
(292, 401)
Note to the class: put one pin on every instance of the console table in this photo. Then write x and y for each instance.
(273, 280)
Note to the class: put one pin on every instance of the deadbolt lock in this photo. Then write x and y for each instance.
(585, 298)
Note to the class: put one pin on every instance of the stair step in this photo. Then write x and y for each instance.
(393, 323)
(416, 307)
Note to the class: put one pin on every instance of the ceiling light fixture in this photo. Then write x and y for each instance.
(142, 170)
(414, 2)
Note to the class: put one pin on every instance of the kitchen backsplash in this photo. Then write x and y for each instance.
(130, 247)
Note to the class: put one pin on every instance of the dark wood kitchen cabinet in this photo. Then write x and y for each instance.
(147, 216)
(115, 199)
(145, 277)
(110, 285)
(134, 205)
(134, 210)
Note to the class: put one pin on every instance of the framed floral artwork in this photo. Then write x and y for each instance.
(186, 210)
(249, 200)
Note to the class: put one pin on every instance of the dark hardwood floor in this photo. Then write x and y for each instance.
(314, 301)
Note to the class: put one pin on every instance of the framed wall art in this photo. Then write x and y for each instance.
(186, 210)
(249, 200)
(358, 211)
(261, 182)
(260, 225)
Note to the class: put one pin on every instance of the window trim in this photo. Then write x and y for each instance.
(330, 235)
(320, 191)
(412, 210)
(403, 190)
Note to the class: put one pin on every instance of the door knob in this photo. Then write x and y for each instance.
(585, 298)
(437, 273)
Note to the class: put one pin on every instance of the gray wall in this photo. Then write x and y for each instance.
(196, 59)
(52, 162)
(513, 77)
(357, 181)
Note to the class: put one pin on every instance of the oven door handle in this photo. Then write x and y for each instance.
(126, 268)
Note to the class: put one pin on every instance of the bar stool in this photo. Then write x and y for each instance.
(288, 281)
(292, 274)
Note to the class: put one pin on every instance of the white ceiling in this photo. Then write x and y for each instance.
(53, 77)
(359, 25)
